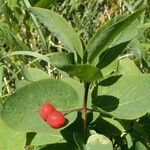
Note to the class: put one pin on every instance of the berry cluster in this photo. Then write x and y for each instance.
(52, 116)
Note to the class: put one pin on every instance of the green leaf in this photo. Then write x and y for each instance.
(21, 83)
(108, 60)
(86, 73)
(99, 141)
(127, 34)
(28, 53)
(1, 77)
(128, 67)
(140, 146)
(44, 3)
(21, 109)
(34, 74)
(108, 56)
(107, 71)
(37, 139)
(108, 37)
(60, 28)
(108, 126)
(78, 87)
(61, 58)
(129, 141)
(11, 140)
(128, 98)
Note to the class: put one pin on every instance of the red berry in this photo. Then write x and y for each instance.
(56, 119)
(45, 110)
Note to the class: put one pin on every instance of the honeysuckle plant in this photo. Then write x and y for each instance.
(101, 94)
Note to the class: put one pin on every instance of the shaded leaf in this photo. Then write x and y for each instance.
(144, 122)
(142, 131)
(79, 141)
(108, 126)
(110, 80)
(86, 73)
(74, 133)
(62, 146)
(108, 56)
(108, 37)
(132, 94)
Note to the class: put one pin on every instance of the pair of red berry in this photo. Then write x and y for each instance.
(52, 116)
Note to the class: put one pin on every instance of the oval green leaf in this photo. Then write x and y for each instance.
(21, 110)
(9, 139)
(99, 141)
(140, 146)
(128, 98)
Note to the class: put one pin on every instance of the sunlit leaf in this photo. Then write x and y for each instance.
(21, 110)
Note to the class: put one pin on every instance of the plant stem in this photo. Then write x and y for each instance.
(85, 109)
(44, 45)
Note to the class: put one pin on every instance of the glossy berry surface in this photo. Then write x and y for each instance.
(56, 119)
(45, 110)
